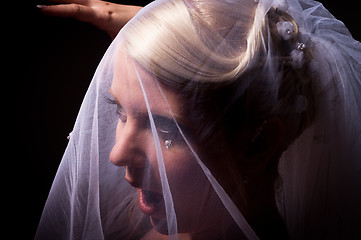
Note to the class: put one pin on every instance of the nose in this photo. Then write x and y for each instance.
(130, 146)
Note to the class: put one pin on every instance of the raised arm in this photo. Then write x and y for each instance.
(109, 17)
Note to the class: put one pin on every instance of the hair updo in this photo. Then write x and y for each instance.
(232, 71)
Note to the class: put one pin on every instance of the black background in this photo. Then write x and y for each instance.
(53, 63)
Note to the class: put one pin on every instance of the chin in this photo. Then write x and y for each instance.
(160, 225)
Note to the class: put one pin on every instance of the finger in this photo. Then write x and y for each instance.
(81, 2)
(77, 11)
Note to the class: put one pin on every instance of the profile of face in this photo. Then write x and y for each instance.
(197, 207)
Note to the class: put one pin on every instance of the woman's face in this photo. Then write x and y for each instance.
(196, 205)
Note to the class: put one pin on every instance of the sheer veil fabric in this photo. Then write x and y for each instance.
(152, 151)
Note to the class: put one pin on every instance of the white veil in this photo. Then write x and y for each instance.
(321, 171)
(318, 190)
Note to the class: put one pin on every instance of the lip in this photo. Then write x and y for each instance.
(149, 202)
(146, 208)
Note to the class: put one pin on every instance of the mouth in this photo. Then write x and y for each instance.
(149, 201)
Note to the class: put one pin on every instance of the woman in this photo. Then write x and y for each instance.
(235, 119)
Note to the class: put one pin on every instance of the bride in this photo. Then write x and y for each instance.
(221, 120)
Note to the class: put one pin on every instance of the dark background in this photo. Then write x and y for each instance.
(54, 66)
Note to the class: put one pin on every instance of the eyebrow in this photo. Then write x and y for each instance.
(114, 100)
(160, 119)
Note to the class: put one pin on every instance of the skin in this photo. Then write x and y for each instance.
(109, 17)
(140, 161)
(135, 150)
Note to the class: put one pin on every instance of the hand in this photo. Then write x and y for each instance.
(109, 17)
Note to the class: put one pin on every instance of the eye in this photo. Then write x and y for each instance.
(121, 114)
(120, 110)
(168, 134)
(164, 133)
(168, 130)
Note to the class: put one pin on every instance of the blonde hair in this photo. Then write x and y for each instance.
(228, 60)
(175, 41)
(222, 43)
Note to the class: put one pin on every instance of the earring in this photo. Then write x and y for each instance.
(168, 144)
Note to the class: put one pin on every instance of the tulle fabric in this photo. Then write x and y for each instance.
(318, 193)
(321, 170)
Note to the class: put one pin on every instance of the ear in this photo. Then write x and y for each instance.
(265, 145)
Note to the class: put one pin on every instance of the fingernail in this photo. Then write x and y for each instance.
(41, 6)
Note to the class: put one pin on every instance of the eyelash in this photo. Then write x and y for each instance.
(164, 133)
(110, 100)
(167, 132)
(122, 115)
(120, 112)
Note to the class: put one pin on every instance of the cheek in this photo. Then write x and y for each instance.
(190, 188)
(183, 171)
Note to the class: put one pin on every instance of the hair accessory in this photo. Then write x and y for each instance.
(168, 144)
(301, 46)
(285, 30)
(69, 136)
(297, 55)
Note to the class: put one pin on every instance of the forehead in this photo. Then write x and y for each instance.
(131, 83)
